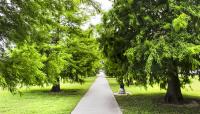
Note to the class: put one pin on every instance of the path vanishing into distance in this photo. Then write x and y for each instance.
(99, 99)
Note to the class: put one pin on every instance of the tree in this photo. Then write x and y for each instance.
(36, 35)
(154, 41)
(62, 61)
(23, 26)
(84, 59)
(22, 67)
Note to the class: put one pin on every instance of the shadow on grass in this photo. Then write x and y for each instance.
(154, 104)
(47, 92)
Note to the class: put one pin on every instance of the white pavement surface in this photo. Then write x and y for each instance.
(99, 99)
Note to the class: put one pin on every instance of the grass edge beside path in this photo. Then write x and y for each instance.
(37, 100)
(151, 101)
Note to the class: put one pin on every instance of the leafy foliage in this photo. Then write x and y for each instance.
(43, 42)
(146, 38)
(22, 66)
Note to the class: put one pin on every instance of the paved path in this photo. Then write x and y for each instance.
(98, 100)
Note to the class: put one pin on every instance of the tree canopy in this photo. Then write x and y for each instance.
(42, 43)
(153, 41)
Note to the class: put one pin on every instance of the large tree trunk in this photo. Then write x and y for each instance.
(173, 94)
(56, 87)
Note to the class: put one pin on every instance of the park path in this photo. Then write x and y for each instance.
(99, 99)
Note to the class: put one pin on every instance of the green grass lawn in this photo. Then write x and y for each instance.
(150, 101)
(36, 100)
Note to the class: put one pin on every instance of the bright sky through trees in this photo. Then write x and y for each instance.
(105, 5)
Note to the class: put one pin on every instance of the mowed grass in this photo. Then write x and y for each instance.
(37, 100)
(151, 100)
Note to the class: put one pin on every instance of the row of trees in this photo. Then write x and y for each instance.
(145, 42)
(152, 41)
(42, 43)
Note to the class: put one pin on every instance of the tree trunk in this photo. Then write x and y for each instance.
(56, 87)
(121, 85)
(121, 89)
(173, 94)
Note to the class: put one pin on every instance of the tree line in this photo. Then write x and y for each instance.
(144, 41)
(42, 43)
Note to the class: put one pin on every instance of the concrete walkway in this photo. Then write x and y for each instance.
(98, 100)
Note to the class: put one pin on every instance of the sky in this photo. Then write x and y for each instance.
(106, 5)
